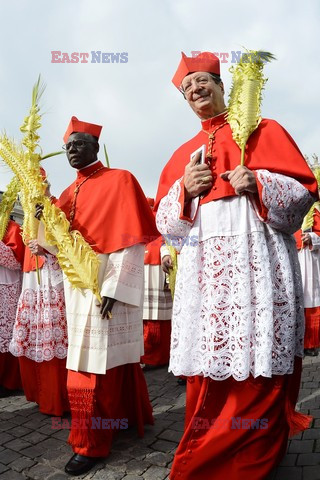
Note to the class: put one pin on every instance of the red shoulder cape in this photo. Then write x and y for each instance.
(269, 147)
(152, 252)
(111, 210)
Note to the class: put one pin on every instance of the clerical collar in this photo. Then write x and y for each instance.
(215, 121)
(86, 171)
(93, 163)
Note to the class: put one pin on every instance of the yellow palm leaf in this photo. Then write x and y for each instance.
(245, 96)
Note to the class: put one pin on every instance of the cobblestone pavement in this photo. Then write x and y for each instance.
(30, 448)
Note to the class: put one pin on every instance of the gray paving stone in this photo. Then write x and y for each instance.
(40, 472)
(131, 477)
(61, 435)
(171, 436)
(52, 443)
(3, 468)
(156, 473)
(33, 452)
(21, 463)
(289, 473)
(18, 444)
(163, 446)
(58, 476)
(309, 459)
(311, 473)
(20, 431)
(8, 456)
(311, 434)
(315, 413)
(159, 459)
(6, 437)
(11, 475)
(136, 467)
(301, 446)
(6, 425)
(289, 460)
(109, 475)
(34, 437)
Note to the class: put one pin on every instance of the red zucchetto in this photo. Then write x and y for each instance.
(77, 126)
(204, 62)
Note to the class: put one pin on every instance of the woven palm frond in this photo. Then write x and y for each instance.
(77, 259)
(245, 96)
(308, 220)
(172, 271)
(9, 198)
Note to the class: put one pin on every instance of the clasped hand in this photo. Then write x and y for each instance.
(198, 178)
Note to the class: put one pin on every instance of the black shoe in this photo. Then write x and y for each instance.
(5, 392)
(181, 381)
(79, 464)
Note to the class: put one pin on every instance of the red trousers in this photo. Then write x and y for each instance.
(312, 333)
(9, 371)
(237, 430)
(102, 404)
(156, 335)
(46, 384)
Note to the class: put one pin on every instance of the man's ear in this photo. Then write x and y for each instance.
(222, 87)
(97, 147)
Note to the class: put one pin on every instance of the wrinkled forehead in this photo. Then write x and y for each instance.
(190, 76)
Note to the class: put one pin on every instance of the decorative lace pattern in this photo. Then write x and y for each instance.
(169, 211)
(40, 330)
(7, 258)
(9, 295)
(286, 200)
(238, 306)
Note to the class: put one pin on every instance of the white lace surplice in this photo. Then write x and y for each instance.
(40, 329)
(309, 259)
(10, 286)
(238, 306)
(97, 344)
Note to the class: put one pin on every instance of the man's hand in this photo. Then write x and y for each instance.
(197, 178)
(241, 179)
(106, 307)
(39, 209)
(35, 248)
(166, 263)
(306, 240)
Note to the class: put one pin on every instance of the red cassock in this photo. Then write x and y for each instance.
(312, 314)
(9, 295)
(210, 448)
(109, 209)
(156, 333)
(44, 382)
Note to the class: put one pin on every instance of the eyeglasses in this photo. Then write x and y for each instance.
(76, 143)
(200, 81)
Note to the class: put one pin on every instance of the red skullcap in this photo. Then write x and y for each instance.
(77, 126)
(204, 62)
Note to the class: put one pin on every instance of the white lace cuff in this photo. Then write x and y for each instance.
(170, 220)
(283, 201)
(123, 276)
